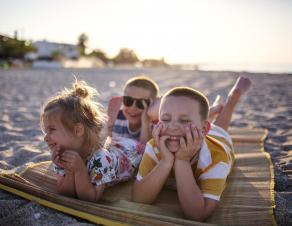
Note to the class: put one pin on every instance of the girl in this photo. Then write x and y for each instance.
(73, 125)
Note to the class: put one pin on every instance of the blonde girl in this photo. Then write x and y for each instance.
(73, 124)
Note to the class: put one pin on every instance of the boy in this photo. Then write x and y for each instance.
(132, 120)
(135, 119)
(200, 158)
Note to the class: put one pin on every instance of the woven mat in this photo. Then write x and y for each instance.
(247, 200)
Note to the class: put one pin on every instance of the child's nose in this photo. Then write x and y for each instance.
(46, 138)
(173, 125)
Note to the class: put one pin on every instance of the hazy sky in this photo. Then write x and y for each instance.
(245, 32)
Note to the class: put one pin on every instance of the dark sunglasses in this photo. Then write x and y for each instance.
(129, 101)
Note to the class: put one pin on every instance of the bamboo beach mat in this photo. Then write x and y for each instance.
(247, 200)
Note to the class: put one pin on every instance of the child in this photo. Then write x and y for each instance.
(132, 120)
(200, 158)
(140, 110)
(73, 125)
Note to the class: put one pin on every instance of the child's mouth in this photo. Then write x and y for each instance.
(173, 143)
(54, 147)
(133, 114)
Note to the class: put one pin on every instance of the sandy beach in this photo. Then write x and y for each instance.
(268, 104)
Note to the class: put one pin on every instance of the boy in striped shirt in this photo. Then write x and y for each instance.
(132, 120)
(199, 155)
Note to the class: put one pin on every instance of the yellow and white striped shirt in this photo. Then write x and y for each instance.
(212, 168)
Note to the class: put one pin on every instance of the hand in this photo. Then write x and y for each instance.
(192, 145)
(153, 109)
(166, 155)
(113, 109)
(72, 162)
(145, 120)
(56, 152)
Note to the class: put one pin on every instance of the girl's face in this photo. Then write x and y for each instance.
(132, 112)
(176, 114)
(58, 137)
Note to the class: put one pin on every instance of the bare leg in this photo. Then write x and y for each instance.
(113, 108)
(240, 87)
(216, 108)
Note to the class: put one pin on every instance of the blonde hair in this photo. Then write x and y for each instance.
(76, 105)
(144, 82)
(194, 95)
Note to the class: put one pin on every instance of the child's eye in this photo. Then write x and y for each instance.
(50, 130)
(165, 120)
(184, 121)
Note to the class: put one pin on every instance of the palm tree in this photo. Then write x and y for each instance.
(82, 43)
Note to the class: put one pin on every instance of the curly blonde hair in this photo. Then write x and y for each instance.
(76, 105)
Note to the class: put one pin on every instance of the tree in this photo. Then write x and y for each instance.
(125, 56)
(13, 48)
(57, 55)
(82, 43)
(100, 55)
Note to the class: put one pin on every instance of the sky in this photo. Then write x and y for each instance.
(206, 32)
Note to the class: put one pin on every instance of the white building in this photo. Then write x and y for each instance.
(46, 50)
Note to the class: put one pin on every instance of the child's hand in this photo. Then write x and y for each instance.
(56, 152)
(153, 109)
(192, 145)
(145, 118)
(72, 161)
(166, 155)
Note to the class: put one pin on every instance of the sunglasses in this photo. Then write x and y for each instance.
(129, 101)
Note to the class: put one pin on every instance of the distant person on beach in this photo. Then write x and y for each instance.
(73, 125)
(134, 114)
(185, 146)
(128, 114)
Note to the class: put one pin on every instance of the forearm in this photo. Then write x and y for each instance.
(148, 188)
(189, 193)
(84, 189)
(110, 130)
(66, 185)
(145, 134)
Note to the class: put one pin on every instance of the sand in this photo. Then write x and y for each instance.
(268, 105)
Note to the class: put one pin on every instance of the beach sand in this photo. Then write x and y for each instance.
(268, 105)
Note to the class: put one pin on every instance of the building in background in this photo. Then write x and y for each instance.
(52, 50)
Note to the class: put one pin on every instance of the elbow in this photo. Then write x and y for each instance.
(135, 195)
(195, 217)
(65, 193)
(137, 198)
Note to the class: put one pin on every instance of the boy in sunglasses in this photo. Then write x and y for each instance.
(132, 120)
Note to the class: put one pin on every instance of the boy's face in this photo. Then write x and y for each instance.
(176, 114)
(133, 113)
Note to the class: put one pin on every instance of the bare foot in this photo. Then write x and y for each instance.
(216, 108)
(240, 87)
(113, 108)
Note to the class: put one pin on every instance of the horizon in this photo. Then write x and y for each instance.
(223, 34)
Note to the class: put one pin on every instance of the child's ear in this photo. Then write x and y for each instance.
(79, 129)
(206, 127)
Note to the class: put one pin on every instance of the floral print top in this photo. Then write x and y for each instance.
(118, 163)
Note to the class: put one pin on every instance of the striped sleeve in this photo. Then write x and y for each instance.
(149, 160)
(212, 176)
